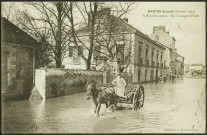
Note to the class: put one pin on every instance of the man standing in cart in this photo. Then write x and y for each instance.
(120, 85)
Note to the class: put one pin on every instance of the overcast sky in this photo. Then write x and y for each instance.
(189, 32)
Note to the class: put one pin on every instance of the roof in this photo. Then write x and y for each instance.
(124, 28)
(10, 33)
(198, 64)
(179, 55)
(118, 22)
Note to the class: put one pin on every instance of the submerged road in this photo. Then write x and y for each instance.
(169, 107)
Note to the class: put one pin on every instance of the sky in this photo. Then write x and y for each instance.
(189, 32)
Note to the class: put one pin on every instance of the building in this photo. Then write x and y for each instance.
(17, 59)
(186, 68)
(179, 70)
(196, 67)
(174, 61)
(147, 56)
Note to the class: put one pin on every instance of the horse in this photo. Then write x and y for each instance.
(100, 96)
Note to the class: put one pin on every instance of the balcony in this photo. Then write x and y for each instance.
(140, 61)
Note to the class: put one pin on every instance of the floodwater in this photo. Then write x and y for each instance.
(169, 107)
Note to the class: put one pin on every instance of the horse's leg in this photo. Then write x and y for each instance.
(106, 105)
(96, 104)
(95, 108)
(98, 109)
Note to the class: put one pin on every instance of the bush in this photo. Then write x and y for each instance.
(69, 83)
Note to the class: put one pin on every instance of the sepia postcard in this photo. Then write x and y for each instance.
(103, 67)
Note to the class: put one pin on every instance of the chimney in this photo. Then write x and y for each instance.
(157, 28)
(125, 19)
(105, 11)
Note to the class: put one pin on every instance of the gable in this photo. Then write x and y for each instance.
(10, 33)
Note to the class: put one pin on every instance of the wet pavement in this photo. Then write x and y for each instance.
(169, 107)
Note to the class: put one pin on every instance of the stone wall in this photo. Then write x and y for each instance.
(18, 71)
(58, 82)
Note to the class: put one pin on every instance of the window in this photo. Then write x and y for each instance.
(97, 49)
(139, 74)
(140, 50)
(152, 75)
(80, 50)
(152, 54)
(74, 52)
(146, 53)
(147, 61)
(161, 58)
(120, 52)
(71, 48)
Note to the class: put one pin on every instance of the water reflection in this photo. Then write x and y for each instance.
(168, 105)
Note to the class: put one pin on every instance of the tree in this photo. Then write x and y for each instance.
(42, 58)
(88, 10)
(97, 24)
(48, 23)
(7, 9)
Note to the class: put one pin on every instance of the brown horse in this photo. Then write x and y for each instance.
(100, 96)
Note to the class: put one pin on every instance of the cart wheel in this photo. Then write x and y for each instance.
(141, 98)
(135, 101)
(138, 99)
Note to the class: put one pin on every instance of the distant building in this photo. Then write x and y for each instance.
(17, 59)
(186, 68)
(179, 70)
(198, 67)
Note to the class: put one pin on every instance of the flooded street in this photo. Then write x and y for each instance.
(169, 107)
